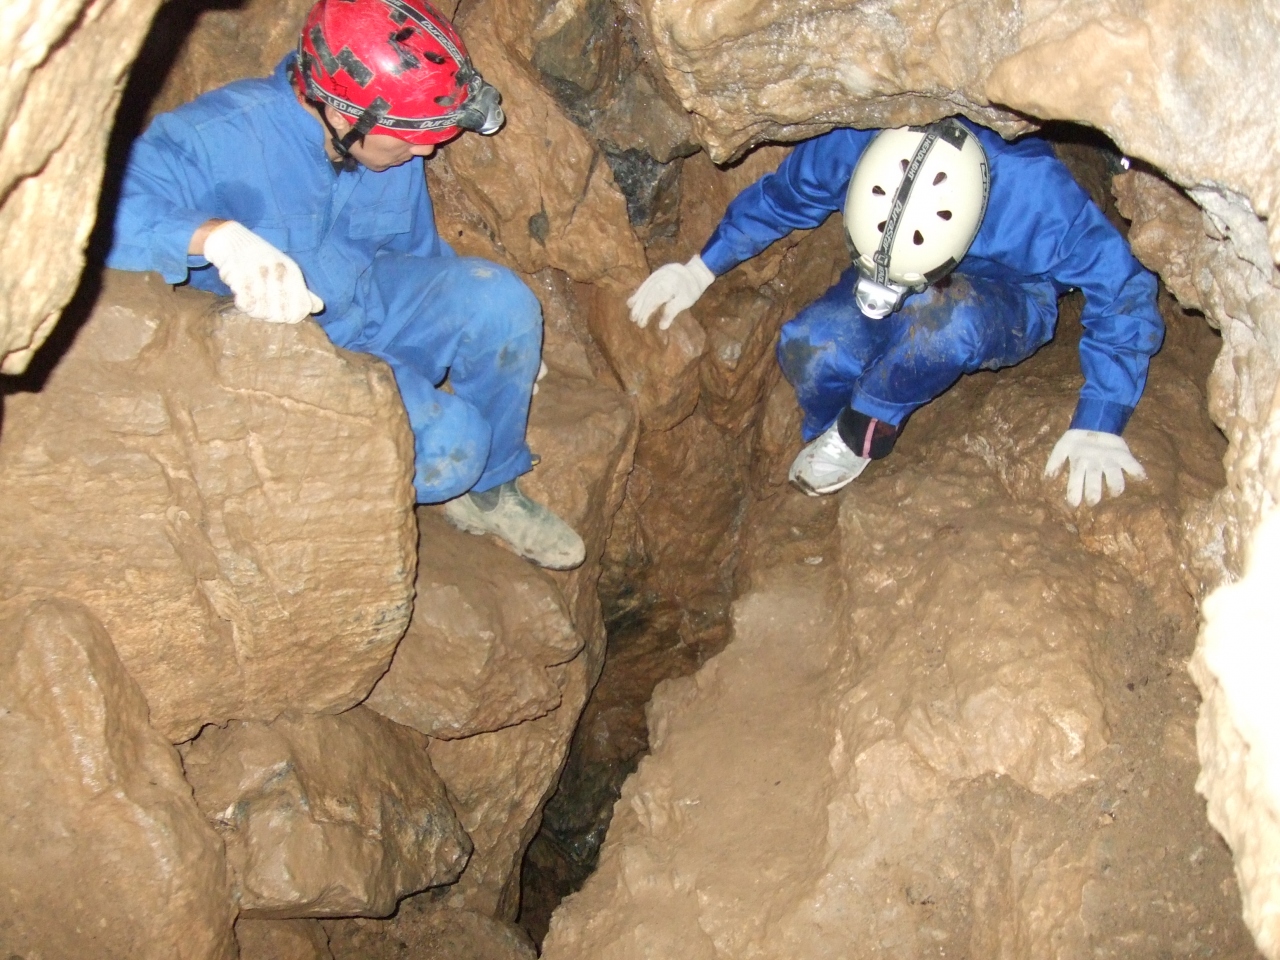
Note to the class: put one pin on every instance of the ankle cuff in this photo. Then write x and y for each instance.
(866, 436)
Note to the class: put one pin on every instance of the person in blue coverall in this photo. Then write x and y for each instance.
(303, 193)
(963, 243)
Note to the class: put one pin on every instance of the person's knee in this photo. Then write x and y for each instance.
(502, 300)
(450, 453)
(800, 358)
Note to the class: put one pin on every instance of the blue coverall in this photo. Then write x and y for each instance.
(1041, 236)
(367, 245)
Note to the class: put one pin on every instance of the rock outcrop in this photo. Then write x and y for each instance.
(929, 732)
(326, 816)
(66, 63)
(231, 498)
(488, 631)
(103, 854)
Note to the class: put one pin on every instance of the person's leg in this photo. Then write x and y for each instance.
(958, 326)
(962, 325)
(824, 351)
(477, 323)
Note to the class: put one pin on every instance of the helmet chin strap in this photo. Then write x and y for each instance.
(364, 123)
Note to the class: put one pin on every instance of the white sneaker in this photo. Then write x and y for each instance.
(826, 464)
(527, 526)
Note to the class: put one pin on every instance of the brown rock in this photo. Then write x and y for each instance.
(232, 497)
(659, 368)
(66, 62)
(487, 630)
(585, 434)
(282, 940)
(568, 214)
(425, 930)
(326, 816)
(103, 854)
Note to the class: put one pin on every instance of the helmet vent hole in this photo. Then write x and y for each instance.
(880, 226)
(434, 57)
(878, 190)
(942, 175)
(917, 238)
(944, 214)
(400, 36)
(905, 164)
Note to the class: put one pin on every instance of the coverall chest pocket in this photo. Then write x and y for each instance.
(380, 220)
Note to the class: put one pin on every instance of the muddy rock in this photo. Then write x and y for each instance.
(422, 929)
(962, 760)
(103, 855)
(326, 816)
(568, 214)
(488, 631)
(658, 368)
(66, 64)
(282, 940)
(585, 434)
(232, 498)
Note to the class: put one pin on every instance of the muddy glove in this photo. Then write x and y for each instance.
(267, 283)
(675, 287)
(1094, 455)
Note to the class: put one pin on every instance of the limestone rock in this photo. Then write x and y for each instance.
(934, 729)
(66, 63)
(659, 368)
(568, 214)
(486, 631)
(585, 434)
(233, 498)
(326, 816)
(1151, 76)
(1236, 668)
(282, 940)
(103, 854)
(424, 930)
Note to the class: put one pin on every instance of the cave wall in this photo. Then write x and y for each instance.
(1186, 91)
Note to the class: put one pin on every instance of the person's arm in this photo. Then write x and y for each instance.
(1122, 329)
(808, 186)
(196, 247)
(166, 199)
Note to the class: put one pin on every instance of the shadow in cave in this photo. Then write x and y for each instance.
(159, 52)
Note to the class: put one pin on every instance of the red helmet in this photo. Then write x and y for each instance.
(395, 67)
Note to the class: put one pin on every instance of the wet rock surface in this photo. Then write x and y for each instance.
(326, 816)
(231, 498)
(987, 734)
(103, 853)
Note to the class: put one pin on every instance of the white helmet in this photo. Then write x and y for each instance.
(914, 205)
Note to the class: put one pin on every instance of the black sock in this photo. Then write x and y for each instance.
(867, 436)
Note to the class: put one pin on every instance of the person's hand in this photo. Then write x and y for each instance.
(1094, 456)
(542, 372)
(675, 287)
(267, 283)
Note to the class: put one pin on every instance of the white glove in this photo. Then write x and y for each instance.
(1093, 455)
(542, 372)
(675, 287)
(267, 283)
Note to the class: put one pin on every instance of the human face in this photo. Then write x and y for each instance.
(377, 151)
